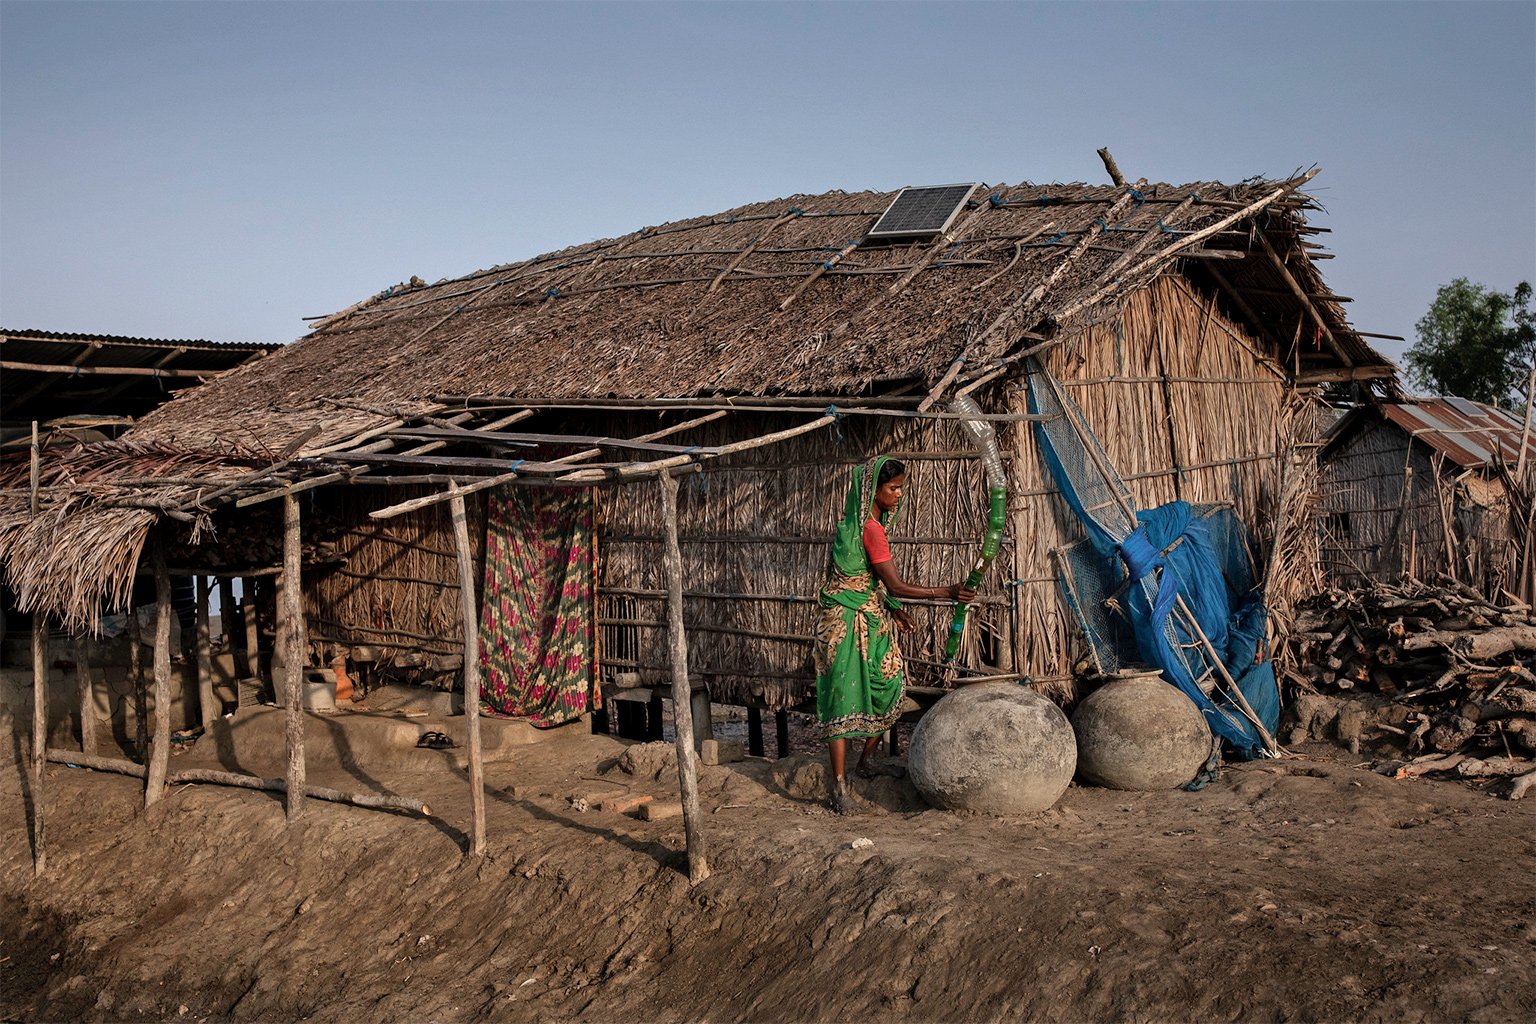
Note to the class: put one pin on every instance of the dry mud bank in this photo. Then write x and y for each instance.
(1298, 890)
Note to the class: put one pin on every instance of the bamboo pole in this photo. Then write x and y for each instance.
(291, 631)
(119, 766)
(87, 699)
(682, 702)
(160, 743)
(471, 621)
(136, 678)
(39, 735)
(204, 655)
(109, 371)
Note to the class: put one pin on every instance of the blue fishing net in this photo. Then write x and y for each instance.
(1141, 575)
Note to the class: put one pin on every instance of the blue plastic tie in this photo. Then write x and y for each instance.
(553, 293)
(1138, 196)
(1164, 228)
(837, 422)
(515, 464)
(1044, 201)
(690, 449)
(1101, 223)
(827, 264)
(995, 200)
(797, 211)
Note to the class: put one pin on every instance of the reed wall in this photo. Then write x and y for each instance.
(1180, 396)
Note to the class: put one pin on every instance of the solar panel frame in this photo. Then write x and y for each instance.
(922, 210)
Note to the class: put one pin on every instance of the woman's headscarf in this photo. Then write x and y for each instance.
(848, 555)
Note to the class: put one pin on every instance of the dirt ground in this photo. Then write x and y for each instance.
(1304, 889)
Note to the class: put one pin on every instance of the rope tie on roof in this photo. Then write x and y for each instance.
(1164, 228)
(1138, 196)
(795, 211)
(552, 293)
(1043, 201)
(1100, 221)
(995, 199)
(837, 422)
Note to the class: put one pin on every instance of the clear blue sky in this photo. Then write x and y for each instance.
(220, 170)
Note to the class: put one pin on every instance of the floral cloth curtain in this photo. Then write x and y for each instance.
(536, 619)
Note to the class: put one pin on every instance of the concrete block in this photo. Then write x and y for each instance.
(657, 810)
(721, 751)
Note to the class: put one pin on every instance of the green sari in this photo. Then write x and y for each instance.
(859, 676)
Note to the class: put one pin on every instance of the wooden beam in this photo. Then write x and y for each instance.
(682, 711)
(1301, 296)
(1346, 374)
(116, 765)
(291, 636)
(39, 736)
(160, 743)
(109, 371)
(469, 616)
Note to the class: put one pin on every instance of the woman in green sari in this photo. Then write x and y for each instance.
(859, 674)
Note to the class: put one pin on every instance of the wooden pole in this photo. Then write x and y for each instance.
(682, 711)
(208, 711)
(252, 632)
(781, 732)
(754, 730)
(291, 637)
(471, 619)
(212, 776)
(1112, 167)
(87, 697)
(160, 743)
(227, 612)
(39, 734)
(136, 678)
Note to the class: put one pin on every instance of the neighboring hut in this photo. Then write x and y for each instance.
(764, 352)
(1422, 488)
(83, 388)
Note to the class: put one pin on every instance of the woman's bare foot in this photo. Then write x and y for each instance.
(841, 801)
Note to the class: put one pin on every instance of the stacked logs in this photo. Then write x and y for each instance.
(1455, 670)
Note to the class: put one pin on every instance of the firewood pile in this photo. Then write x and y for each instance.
(1447, 673)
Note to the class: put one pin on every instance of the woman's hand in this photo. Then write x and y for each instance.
(959, 592)
(903, 621)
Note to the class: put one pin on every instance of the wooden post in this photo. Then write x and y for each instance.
(252, 633)
(39, 734)
(291, 635)
(160, 744)
(701, 717)
(754, 730)
(87, 697)
(471, 619)
(781, 732)
(682, 711)
(1112, 167)
(136, 678)
(205, 701)
(227, 612)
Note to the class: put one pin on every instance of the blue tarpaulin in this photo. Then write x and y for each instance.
(1154, 557)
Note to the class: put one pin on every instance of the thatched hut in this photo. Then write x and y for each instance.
(1428, 487)
(763, 351)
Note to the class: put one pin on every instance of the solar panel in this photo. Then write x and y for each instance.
(926, 210)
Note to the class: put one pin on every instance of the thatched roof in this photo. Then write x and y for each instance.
(696, 307)
(775, 298)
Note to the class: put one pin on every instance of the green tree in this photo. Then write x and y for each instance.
(1475, 343)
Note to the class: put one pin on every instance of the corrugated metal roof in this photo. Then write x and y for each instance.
(118, 339)
(1467, 433)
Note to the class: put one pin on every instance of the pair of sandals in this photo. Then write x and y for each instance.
(435, 741)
